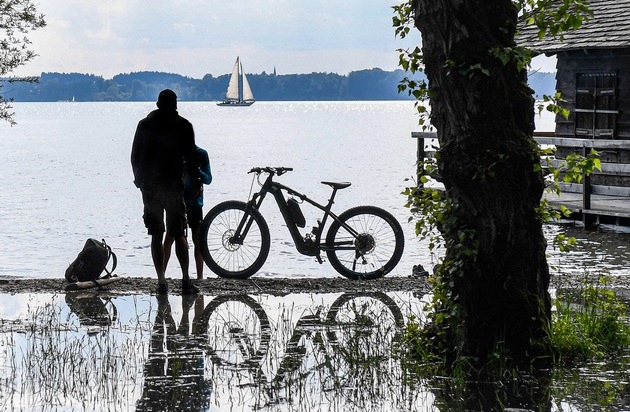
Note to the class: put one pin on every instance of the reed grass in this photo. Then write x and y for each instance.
(589, 323)
(56, 364)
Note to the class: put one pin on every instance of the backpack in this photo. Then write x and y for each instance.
(91, 262)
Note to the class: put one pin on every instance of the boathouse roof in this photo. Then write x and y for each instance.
(607, 28)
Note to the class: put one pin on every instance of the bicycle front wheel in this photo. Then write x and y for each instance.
(366, 242)
(224, 255)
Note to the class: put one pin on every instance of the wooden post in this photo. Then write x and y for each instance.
(587, 219)
(419, 157)
(421, 152)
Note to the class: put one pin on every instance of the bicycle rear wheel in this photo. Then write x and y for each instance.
(374, 252)
(225, 257)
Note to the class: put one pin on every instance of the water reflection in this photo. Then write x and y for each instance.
(174, 371)
(597, 252)
(343, 351)
(93, 309)
(336, 352)
(56, 357)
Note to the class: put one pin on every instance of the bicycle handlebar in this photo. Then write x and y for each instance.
(273, 170)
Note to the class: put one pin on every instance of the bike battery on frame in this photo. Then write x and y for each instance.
(296, 213)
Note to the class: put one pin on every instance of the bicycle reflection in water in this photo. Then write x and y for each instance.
(227, 354)
(345, 351)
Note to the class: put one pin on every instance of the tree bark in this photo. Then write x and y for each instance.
(483, 111)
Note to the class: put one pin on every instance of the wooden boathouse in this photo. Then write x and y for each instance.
(593, 77)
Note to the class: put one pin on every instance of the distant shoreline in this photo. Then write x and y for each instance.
(363, 85)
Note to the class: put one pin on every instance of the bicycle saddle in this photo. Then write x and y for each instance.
(337, 185)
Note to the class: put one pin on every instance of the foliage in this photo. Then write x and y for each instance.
(554, 104)
(551, 17)
(590, 323)
(433, 209)
(17, 17)
(586, 333)
(570, 170)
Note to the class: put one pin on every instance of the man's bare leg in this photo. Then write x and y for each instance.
(181, 250)
(168, 244)
(157, 253)
(197, 251)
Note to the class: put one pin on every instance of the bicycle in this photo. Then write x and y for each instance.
(364, 242)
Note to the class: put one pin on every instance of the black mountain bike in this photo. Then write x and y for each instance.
(364, 242)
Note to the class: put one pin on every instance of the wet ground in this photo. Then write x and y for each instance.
(271, 286)
(262, 344)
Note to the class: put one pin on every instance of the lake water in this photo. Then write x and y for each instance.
(66, 177)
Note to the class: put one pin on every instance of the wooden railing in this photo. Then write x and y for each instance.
(581, 146)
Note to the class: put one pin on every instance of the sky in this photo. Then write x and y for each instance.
(199, 37)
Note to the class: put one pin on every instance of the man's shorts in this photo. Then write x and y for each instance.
(156, 203)
(195, 215)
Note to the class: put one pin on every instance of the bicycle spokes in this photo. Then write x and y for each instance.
(228, 253)
(365, 242)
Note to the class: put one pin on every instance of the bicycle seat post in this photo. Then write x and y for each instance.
(335, 187)
(331, 200)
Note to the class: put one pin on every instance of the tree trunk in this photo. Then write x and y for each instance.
(483, 111)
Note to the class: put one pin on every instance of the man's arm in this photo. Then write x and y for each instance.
(190, 155)
(204, 167)
(136, 150)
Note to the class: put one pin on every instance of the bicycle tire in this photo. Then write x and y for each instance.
(377, 249)
(230, 260)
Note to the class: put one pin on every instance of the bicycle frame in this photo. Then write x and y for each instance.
(305, 245)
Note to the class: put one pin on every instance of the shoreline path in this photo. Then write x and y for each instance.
(271, 285)
(212, 286)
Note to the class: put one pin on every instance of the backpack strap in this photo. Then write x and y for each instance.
(111, 255)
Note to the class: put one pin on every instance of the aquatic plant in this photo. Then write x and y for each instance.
(589, 323)
(58, 364)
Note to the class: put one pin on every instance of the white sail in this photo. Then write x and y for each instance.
(247, 91)
(232, 90)
(238, 93)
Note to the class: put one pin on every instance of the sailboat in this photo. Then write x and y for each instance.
(238, 92)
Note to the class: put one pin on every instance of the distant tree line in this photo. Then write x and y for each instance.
(370, 84)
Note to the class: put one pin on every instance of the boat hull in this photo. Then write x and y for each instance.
(233, 103)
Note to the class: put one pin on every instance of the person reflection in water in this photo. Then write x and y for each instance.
(163, 142)
(174, 372)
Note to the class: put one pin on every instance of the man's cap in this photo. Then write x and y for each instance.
(167, 99)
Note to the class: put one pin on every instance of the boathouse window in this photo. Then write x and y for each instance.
(596, 106)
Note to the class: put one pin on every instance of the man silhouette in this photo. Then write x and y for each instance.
(163, 142)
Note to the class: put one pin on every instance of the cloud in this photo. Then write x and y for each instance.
(195, 37)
